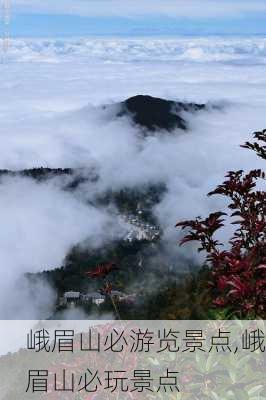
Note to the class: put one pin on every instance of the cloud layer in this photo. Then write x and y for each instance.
(201, 50)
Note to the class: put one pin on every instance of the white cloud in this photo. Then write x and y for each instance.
(180, 8)
(244, 50)
(39, 225)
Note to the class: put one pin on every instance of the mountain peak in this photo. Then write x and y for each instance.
(154, 113)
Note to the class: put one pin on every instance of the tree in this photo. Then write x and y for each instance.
(238, 275)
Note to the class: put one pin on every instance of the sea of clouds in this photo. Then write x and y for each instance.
(51, 115)
(227, 50)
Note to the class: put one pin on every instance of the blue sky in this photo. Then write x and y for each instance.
(138, 18)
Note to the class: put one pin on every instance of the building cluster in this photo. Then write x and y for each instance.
(78, 298)
(141, 230)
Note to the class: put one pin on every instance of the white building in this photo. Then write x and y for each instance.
(93, 297)
(72, 296)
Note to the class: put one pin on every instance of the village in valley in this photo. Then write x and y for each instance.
(139, 230)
